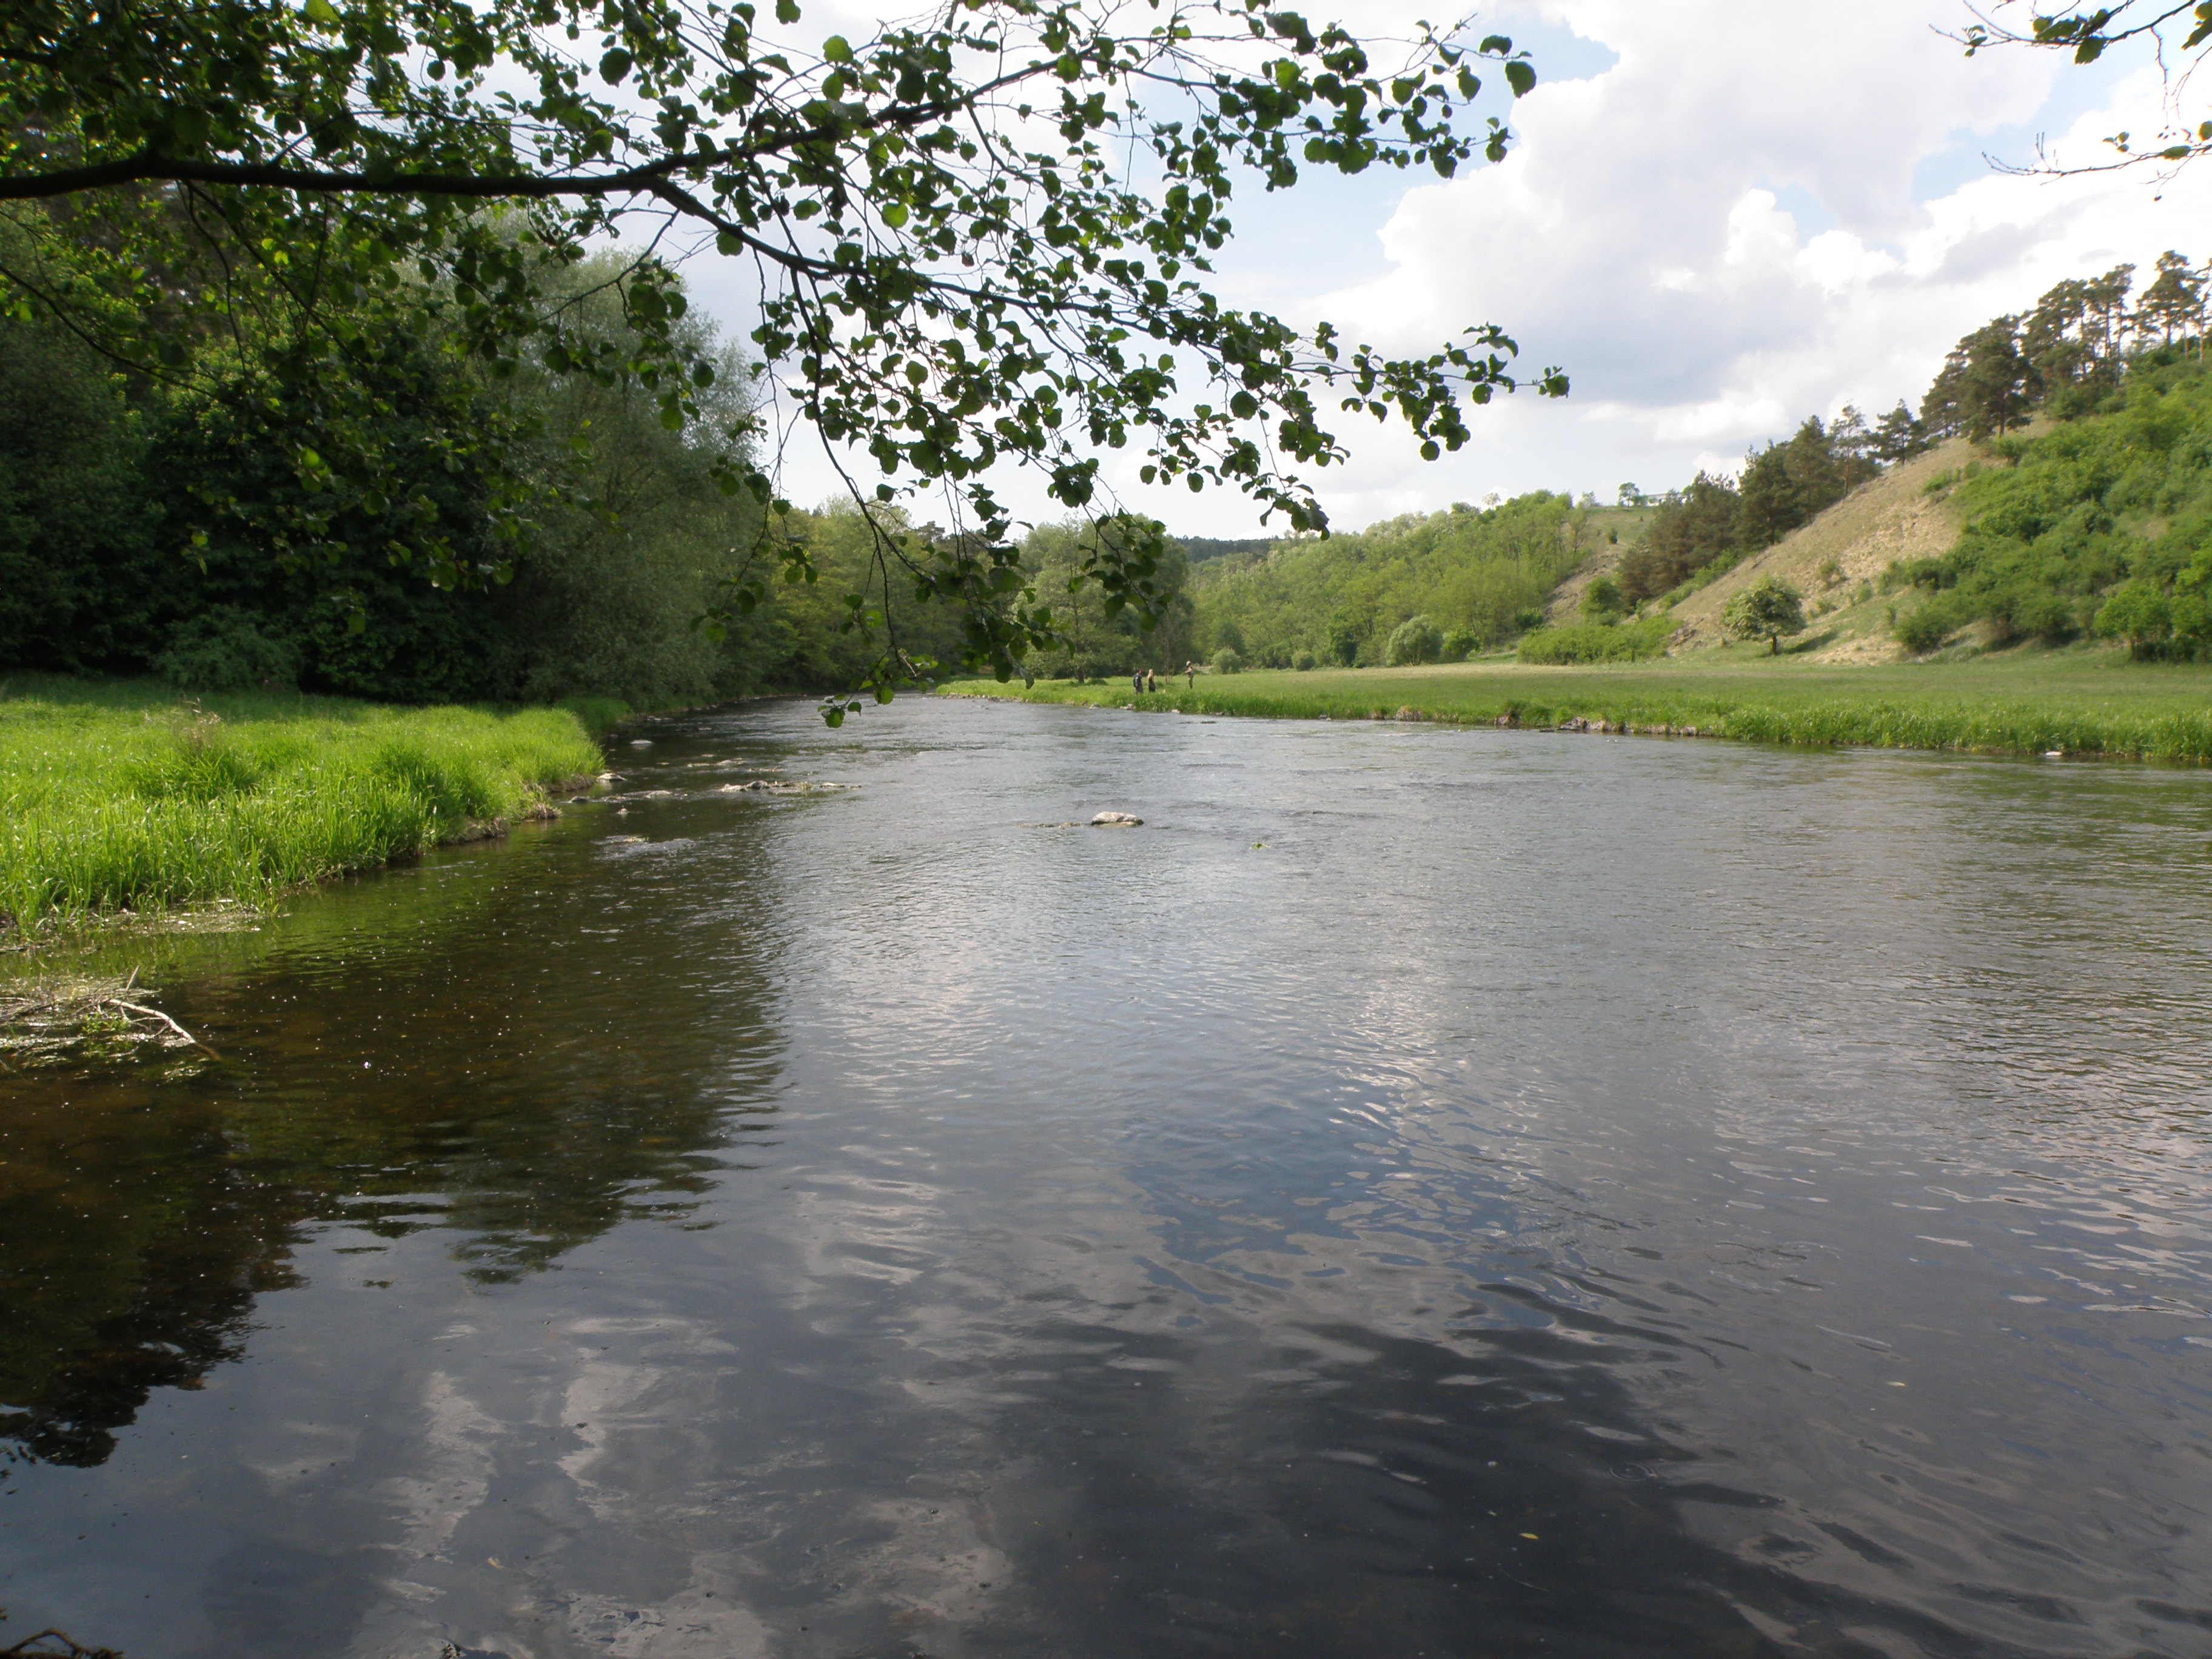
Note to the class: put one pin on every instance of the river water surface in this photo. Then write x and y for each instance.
(1427, 1192)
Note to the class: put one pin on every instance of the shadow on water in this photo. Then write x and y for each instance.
(400, 1054)
(1389, 1495)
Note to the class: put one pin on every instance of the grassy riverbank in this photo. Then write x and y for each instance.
(114, 795)
(2080, 700)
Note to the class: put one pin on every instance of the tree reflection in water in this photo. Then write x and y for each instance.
(379, 1072)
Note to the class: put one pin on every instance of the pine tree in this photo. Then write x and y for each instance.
(2173, 305)
(1899, 435)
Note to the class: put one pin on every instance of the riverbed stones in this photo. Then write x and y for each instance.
(1114, 821)
(1406, 711)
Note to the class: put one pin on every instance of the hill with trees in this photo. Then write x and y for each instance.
(2072, 495)
(1481, 574)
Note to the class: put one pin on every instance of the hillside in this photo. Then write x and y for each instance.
(1894, 517)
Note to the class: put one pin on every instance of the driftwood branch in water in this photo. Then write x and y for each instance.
(155, 1014)
(45, 1020)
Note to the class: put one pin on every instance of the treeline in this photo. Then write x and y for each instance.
(141, 532)
(1473, 577)
(2069, 354)
(545, 531)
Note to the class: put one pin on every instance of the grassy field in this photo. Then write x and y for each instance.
(115, 795)
(2081, 699)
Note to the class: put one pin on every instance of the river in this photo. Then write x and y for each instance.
(1425, 1191)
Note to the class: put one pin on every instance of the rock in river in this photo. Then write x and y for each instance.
(1115, 821)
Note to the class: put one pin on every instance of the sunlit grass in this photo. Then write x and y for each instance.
(114, 795)
(2082, 701)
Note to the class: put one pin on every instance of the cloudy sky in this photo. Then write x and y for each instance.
(1720, 216)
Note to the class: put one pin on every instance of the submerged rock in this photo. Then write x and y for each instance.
(1407, 712)
(1115, 821)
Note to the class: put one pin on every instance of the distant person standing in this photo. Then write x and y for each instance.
(1137, 682)
(1189, 675)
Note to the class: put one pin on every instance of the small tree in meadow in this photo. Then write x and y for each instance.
(1768, 609)
(1416, 639)
(1229, 660)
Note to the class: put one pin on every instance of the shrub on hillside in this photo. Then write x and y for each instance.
(1460, 644)
(1923, 630)
(1601, 600)
(2139, 614)
(2026, 611)
(1416, 639)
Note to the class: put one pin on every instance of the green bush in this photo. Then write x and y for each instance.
(1416, 639)
(1460, 644)
(1924, 630)
(1228, 660)
(225, 648)
(1302, 661)
(2138, 613)
(1585, 642)
(2030, 612)
(1601, 600)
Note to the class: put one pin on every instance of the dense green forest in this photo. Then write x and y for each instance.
(162, 527)
(151, 527)
(1479, 575)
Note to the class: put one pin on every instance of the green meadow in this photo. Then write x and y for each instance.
(2082, 700)
(114, 795)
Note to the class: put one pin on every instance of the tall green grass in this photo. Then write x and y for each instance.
(2085, 703)
(114, 796)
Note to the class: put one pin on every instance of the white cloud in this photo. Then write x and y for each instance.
(1716, 235)
(1638, 234)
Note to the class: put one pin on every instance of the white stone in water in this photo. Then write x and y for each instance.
(641, 742)
(1115, 821)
